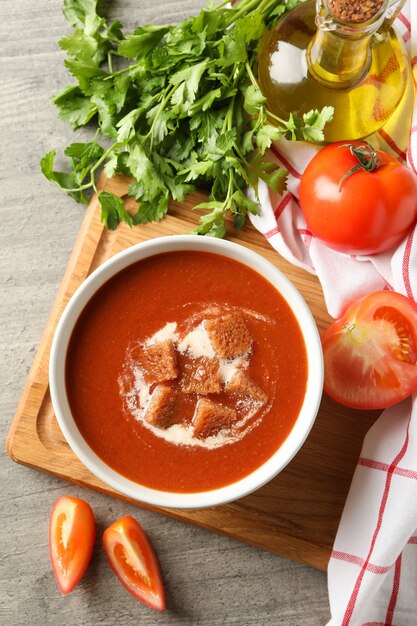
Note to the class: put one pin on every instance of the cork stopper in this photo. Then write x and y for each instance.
(354, 11)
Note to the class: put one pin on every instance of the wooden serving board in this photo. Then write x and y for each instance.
(296, 514)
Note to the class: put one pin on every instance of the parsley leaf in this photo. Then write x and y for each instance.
(178, 107)
(142, 42)
(113, 210)
(77, 11)
(314, 123)
(68, 181)
(74, 107)
(253, 99)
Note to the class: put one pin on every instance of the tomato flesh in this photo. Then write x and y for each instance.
(71, 540)
(370, 354)
(405, 348)
(133, 560)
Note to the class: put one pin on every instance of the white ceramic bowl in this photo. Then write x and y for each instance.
(262, 474)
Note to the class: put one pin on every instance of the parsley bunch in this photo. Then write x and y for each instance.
(181, 107)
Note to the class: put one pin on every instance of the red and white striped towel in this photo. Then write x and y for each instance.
(372, 573)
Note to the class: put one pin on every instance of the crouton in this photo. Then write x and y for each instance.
(163, 407)
(202, 376)
(157, 361)
(241, 384)
(211, 417)
(229, 335)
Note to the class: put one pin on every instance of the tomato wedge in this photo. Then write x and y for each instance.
(134, 562)
(72, 534)
(370, 354)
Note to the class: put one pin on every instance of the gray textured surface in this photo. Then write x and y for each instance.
(209, 580)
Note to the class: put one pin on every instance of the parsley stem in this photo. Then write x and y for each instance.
(229, 190)
(243, 7)
(109, 60)
(168, 93)
(255, 84)
(228, 119)
(239, 154)
(115, 146)
(221, 5)
(251, 76)
(266, 6)
(80, 188)
(122, 71)
(96, 165)
(278, 119)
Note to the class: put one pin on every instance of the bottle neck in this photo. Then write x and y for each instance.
(339, 55)
(338, 61)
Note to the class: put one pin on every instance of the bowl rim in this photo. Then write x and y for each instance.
(261, 475)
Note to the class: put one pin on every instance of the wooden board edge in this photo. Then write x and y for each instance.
(118, 185)
(300, 550)
(52, 321)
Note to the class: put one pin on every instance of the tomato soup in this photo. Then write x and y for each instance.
(186, 371)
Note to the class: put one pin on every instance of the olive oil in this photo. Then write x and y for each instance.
(362, 70)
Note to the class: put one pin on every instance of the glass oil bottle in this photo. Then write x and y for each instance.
(314, 58)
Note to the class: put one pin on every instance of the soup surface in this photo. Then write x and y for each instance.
(222, 409)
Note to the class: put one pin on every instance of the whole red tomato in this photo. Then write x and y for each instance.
(358, 200)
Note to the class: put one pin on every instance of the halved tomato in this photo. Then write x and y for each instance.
(133, 560)
(370, 354)
(72, 534)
